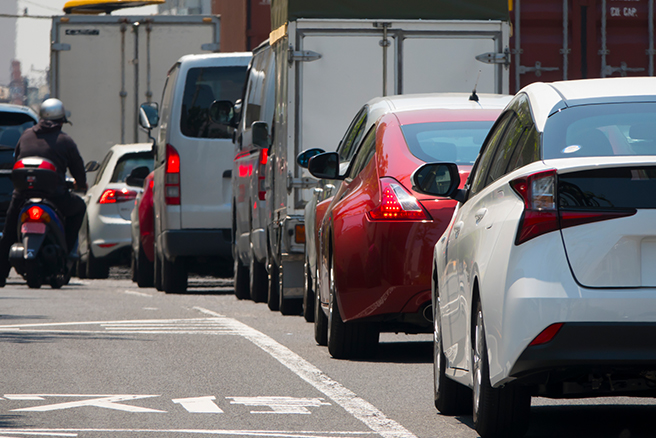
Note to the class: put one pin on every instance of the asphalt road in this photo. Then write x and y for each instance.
(103, 358)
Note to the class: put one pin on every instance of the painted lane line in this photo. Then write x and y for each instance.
(356, 406)
(227, 432)
(280, 405)
(145, 321)
(104, 402)
(199, 405)
(139, 294)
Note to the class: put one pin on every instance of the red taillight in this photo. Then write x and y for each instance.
(541, 215)
(261, 192)
(112, 196)
(35, 213)
(547, 334)
(19, 165)
(538, 191)
(48, 166)
(396, 203)
(172, 177)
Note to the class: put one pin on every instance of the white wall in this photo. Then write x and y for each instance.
(8, 38)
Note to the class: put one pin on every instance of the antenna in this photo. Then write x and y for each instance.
(474, 96)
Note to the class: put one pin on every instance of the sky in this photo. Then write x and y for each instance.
(33, 35)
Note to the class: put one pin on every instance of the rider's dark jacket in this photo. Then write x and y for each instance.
(47, 140)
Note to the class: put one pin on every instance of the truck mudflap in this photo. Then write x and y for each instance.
(292, 276)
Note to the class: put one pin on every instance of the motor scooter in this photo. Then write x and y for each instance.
(40, 254)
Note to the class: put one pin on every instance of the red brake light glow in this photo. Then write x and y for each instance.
(396, 203)
(35, 213)
(172, 177)
(112, 196)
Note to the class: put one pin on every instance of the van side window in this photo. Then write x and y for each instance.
(165, 111)
(203, 86)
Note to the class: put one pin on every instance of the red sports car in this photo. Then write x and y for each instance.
(377, 234)
(143, 250)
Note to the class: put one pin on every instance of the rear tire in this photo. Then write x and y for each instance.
(320, 322)
(81, 269)
(157, 271)
(145, 269)
(174, 276)
(258, 280)
(287, 306)
(274, 288)
(241, 280)
(498, 412)
(348, 340)
(96, 268)
(308, 296)
(33, 274)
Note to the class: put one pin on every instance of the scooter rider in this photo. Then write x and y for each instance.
(47, 140)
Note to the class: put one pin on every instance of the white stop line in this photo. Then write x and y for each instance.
(347, 399)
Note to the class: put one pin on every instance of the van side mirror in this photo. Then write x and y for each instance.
(325, 166)
(148, 115)
(260, 133)
(303, 158)
(438, 179)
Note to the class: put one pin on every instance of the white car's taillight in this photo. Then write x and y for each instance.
(112, 196)
(538, 191)
(396, 203)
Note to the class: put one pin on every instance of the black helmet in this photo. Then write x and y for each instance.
(53, 109)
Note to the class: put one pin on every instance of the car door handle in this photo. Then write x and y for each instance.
(480, 214)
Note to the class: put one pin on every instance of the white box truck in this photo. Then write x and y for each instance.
(103, 67)
(331, 57)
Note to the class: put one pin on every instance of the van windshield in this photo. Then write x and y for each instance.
(203, 87)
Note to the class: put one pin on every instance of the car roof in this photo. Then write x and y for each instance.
(217, 59)
(10, 108)
(546, 98)
(121, 149)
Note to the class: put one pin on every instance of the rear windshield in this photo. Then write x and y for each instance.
(204, 86)
(608, 189)
(617, 129)
(12, 126)
(129, 162)
(455, 142)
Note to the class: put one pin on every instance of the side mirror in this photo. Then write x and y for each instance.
(325, 166)
(137, 176)
(438, 179)
(304, 157)
(91, 166)
(148, 115)
(222, 112)
(260, 134)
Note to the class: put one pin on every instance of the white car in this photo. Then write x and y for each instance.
(105, 236)
(544, 283)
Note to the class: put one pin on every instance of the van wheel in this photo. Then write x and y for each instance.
(348, 340)
(144, 269)
(241, 280)
(174, 276)
(258, 280)
(274, 287)
(308, 295)
(498, 412)
(157, 271)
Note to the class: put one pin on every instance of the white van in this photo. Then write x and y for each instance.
(193, 165)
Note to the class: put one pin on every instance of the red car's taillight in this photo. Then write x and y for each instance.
(172, 177)
(112, 196)
(396, 203)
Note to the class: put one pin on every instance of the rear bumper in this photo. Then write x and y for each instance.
(196, 243)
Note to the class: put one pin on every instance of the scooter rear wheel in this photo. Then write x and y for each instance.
(32, 274)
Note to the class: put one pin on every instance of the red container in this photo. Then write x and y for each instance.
(244, 23)
(577, 39)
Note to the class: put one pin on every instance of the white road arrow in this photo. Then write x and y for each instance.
(199, 405)
(108, 402)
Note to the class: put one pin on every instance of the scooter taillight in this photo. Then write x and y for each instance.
(35, 214)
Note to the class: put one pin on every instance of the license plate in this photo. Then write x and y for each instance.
(33, 228)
